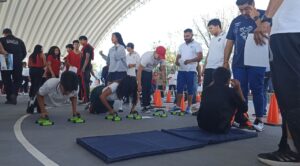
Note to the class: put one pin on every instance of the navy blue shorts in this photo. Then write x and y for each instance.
(115, 76)
(186, 79)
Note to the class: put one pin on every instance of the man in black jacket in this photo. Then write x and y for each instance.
(13, 79)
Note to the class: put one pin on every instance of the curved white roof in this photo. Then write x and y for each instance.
(59, 22)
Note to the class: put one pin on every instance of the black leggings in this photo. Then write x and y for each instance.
(36, 77)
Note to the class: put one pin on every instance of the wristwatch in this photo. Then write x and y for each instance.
(256, 18)
(264, 18)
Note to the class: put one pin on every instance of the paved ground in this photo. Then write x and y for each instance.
(58, 142)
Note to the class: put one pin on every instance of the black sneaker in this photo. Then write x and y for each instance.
(280, 158)
(146, 110)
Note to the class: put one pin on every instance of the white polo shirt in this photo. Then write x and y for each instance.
(149, 62)
(216, 51)
(189, 51)
(52, 93)
(286, 19)
(133, 58)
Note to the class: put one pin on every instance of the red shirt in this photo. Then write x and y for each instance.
(74, 60)
(39, 62)
(55, 64)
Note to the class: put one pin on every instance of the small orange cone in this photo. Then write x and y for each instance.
(158, 102)
(155, 95)
(198, 98)
(182, 104)
(169, 97)
(274, 117)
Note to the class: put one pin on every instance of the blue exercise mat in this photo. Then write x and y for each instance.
(196, 134)
(126, 146)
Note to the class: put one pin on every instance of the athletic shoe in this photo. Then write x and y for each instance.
(188, 110)
(175, 109)
(280, 158)
(247, 126)
(235, 124)
(145, 110)
(258, 125)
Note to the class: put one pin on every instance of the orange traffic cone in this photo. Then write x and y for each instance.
(198, 98)
(155, 95)
(182, 104)
(274, 117)
(169, 97)
(158, 102)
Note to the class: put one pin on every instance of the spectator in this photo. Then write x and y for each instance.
(249, 76)
(25, 75)
(284, 56)
(12, 79)
(132, 59)
(149, 60)
(215, 56)
(189, 54)
(53, 62)
(86, 67)
(36, 64)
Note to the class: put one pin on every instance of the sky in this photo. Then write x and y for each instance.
(163, 22)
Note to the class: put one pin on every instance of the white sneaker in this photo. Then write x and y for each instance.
(258, 125)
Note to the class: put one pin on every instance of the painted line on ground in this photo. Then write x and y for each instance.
(28, 146)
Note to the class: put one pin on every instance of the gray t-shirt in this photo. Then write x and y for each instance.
(149, 62)
(52, 93)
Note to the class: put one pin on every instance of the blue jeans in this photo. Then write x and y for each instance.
(253, 78)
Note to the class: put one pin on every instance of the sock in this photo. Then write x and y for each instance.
(292, 145)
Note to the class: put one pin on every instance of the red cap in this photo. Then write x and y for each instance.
(161, 51)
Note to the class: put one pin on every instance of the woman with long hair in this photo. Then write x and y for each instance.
(53, 62)
(36, 64)
(117, 59)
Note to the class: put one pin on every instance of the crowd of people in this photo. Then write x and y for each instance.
(129, 78)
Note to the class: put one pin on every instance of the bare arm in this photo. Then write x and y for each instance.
(139, 77)
(103, 98)
(227, 52)
(177, 59)
(2, 51)
(196, 59)
(265, 27)
(273, 7)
